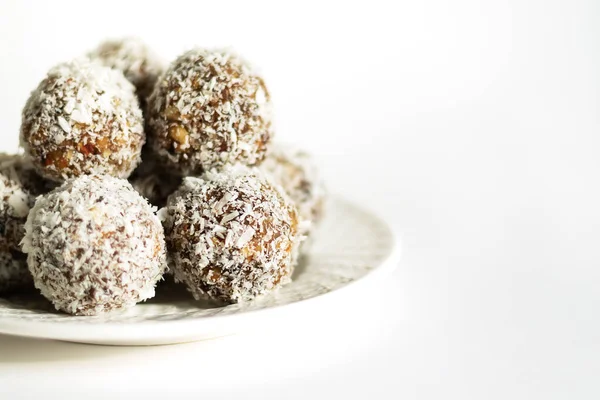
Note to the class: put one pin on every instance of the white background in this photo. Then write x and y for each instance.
(472, 126)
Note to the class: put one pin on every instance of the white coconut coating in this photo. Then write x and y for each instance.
(295, 171)
(94, 245)
(207, 110)
(140, 65)
(15, 203)
(83, 118)
(232, 235)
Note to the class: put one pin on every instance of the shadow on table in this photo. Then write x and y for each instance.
(15, 349)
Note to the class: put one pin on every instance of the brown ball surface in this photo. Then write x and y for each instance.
(130, 55)
(83, 118)
(207, 110)
(232, 236)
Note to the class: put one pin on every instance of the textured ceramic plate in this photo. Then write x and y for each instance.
(350, 246)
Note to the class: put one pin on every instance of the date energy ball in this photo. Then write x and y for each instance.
(207, 110)
(133, 57)
(15, 203)
(94, 245)
(295, 171)
(83, 118)
(232, 236)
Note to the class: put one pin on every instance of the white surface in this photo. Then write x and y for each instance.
(350, 250)
(473, 125)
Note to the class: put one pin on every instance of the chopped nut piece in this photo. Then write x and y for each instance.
(178, 134)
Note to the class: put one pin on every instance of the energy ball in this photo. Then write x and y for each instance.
(153, 182)
(232, 236)
(207, 110)
(15, 203)
(296, 173)
(83, 118)
(139, 64)
(94, 245)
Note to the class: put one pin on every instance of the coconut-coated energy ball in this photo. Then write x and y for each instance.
(15, 203)
(231, 235)
(207, 110)
(94, 245)
(295, 171)
(130, 55)
(83, 118)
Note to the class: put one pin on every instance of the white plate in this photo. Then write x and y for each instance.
(349, 246)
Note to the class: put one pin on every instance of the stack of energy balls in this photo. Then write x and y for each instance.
(130, 170)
